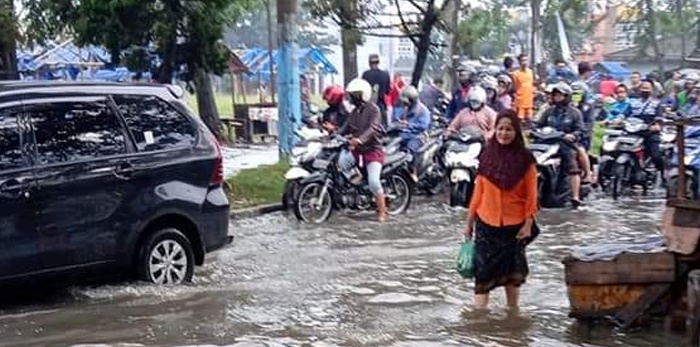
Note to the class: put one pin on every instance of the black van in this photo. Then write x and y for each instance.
(103, 178)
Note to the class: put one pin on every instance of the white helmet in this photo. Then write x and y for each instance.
(489, 82)
(503, 78)
(477, 94)
(360, 86)
(562, 87)
(409, 94)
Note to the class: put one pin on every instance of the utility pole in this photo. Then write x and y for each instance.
(270, 47)
(289, 109)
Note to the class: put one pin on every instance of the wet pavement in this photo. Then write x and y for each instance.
(348, 283)
(241, 157)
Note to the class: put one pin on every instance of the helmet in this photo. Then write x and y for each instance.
(692, 78)
(505, 79)
(489, 82)
(409, 94)
(334, 95)
(493, 70)
(562, 88)
(463, 67)
(360, 86)
(477, 94)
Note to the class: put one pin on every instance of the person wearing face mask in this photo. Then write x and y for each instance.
(650, 110)
(414, 119)
(465, 76)
(620, 107)
(364, 126)
(477, 115)
(505, 99)
(567, 119)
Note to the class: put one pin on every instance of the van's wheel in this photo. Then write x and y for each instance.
(166, 257)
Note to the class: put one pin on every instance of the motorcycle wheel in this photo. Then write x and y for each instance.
(309, 201)
(398, 192)
(460, 194)
(291, 190)
(617, 181)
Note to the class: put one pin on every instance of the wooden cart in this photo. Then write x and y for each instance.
(636, 288)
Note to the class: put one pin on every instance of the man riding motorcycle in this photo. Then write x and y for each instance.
(649, 109)
(365, 126)
(466, 75)
(414, 118)
(563, 117)
(620, 108)
(337, 112)
(490, 85)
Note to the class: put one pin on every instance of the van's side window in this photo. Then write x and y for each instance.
(154, 124)
(10, 141)
(68, 131)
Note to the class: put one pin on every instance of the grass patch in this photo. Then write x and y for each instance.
(257, 186)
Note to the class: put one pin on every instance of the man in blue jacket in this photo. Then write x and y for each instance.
(414, 118)
(466, 76)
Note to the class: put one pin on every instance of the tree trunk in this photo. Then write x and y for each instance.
(8, 45)
(451, 80)
(206, 103)
(421, 57)
(167, 67)
(651, 22)
(350, 38)
(534, 30)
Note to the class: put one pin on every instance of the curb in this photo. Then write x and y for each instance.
(255, 211)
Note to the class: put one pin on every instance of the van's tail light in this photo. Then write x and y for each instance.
(217, 176)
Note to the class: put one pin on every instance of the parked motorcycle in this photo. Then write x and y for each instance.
(300, 162)
(461, 153)
(332, 186)
(552, 184)
(623, 163)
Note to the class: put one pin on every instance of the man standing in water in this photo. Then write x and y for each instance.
(380, 82)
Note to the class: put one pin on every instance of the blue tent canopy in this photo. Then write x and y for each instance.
(258, 60)
(618, 70)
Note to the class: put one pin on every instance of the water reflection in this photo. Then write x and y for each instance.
(348, 283)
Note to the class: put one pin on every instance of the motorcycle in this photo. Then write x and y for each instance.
(692, 165)
(308, 139)
(430, 169)
(623, 163)
(461, 153)
(334, 186)
(552, 184)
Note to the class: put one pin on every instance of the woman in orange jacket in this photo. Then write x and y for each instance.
(502, 212)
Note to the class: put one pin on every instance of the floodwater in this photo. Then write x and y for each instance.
(348, 283)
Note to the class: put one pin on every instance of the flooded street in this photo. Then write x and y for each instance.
(349, 283)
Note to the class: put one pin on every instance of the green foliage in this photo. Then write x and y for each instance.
(257, 186)
(484, 31)
(576, 16)
(185, 32)
(251, 29)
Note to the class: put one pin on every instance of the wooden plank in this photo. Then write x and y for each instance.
(628, 315)
(595, 300)
(627, 268)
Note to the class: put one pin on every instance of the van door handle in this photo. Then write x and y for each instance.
(124, 171)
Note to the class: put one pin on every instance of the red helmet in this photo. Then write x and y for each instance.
(334, 95)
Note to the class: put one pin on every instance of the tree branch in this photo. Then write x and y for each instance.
(414, 38)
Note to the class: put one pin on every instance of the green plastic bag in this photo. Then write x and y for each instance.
(465, 259)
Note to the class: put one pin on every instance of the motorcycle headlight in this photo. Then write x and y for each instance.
(609, 146)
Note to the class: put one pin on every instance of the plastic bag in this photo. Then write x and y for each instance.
(465, 259)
